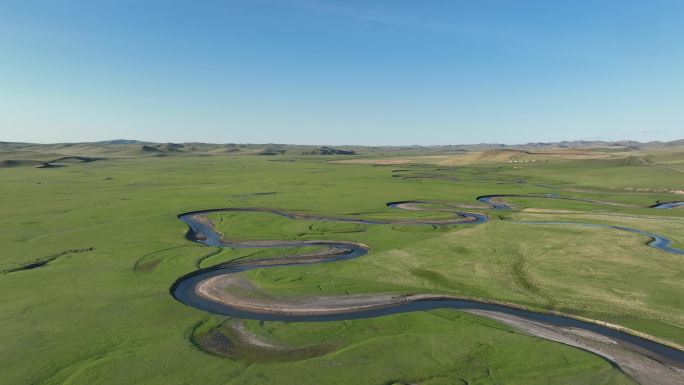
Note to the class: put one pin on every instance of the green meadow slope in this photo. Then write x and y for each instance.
(90, 250)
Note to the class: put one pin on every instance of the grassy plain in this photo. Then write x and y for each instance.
(105, 315)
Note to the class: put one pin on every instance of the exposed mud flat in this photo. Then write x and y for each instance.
(641, 368)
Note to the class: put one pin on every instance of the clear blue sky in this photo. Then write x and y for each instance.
(341, 72)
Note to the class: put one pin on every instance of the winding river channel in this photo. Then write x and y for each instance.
(655, 362)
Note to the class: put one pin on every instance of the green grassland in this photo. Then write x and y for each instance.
(103, 315)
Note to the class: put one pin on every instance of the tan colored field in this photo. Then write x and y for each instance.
(429, 159)
(506, 156)
(491, 156)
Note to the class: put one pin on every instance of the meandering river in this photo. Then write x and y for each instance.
(201, 230)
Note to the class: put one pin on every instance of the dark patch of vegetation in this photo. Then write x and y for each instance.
(171, 147)
(147, 266)
(163, 149)
(224, 341)
(8, 163)
(43, 261)
(17, 163)
(50, 165)
(20, 163)
(434, 380)
(328, 151)
(217, 343)
(146, 148)
(70, 159)
(254, 194)
(271, 151)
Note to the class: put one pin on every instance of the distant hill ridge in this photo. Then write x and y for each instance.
(349, 149)
(15, 154)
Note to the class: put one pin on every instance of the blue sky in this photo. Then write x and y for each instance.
(341, 72)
